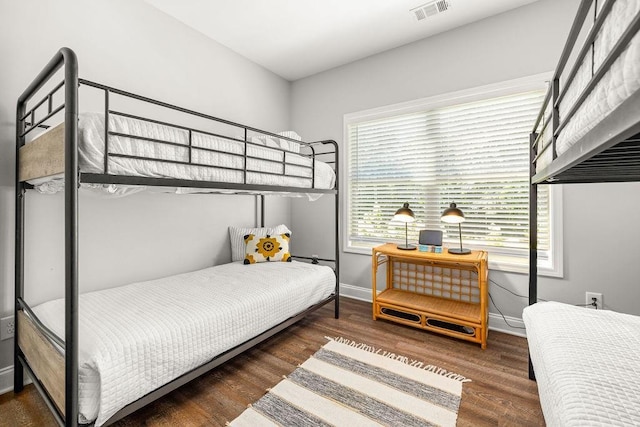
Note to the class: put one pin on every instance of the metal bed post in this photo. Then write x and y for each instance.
(337, 250)
(71, 177)
(533, 234)
(533, 227)
(66, 57)
(18, 371)
(337, 226)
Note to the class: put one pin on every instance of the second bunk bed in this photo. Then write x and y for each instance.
(587, 362)
(92, 367)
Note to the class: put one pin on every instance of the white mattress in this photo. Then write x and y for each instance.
(619, 83)
(135, 338)
(92, 147)
(587, 364)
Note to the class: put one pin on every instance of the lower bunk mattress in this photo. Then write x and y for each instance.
(135, 338)
(587, 364)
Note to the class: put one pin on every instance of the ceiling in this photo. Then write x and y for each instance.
(298, 38)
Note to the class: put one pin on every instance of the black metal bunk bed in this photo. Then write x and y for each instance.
(610, 150)
(29, 120)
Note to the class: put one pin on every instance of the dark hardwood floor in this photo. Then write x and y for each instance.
(500, 393)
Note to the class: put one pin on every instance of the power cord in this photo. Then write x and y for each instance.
(503, 316)
(593, 303)
(511, 292)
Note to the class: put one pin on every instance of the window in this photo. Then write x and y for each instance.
(471, 149)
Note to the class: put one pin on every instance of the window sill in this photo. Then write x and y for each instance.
(507, 264)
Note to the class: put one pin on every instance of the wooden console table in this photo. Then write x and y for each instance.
(443, 292)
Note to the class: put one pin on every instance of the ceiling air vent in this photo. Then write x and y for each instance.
(430, 9)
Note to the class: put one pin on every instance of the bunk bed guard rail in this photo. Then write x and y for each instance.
(286, 155)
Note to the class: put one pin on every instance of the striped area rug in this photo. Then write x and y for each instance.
(351, 384)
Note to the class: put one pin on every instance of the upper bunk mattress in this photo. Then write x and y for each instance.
(266, 165)
(620, 82)
(135, 338)
(587, 364)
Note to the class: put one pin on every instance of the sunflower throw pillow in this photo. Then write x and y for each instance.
(266, 248)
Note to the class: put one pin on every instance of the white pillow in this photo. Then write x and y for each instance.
(267, 141)
(236, 235)
(290, 145)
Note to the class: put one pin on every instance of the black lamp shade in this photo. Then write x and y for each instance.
(453, 215)
(405, 215)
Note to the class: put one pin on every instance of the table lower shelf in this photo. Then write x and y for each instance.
(449, 317)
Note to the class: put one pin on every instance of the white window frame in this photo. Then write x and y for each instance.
(553, 266)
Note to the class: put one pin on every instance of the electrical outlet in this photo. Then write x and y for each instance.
(7, 328)
(589, 296)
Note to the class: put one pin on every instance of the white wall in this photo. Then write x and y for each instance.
(599, 254)
(133, 46)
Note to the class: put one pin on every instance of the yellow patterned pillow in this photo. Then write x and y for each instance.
(266, 248)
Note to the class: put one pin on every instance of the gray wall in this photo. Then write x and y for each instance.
(600, 254)
(133, 46)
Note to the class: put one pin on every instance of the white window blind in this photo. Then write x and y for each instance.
(474, 154)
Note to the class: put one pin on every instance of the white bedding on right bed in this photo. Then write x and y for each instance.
(587, 364)
(619, 83)
(135, 338)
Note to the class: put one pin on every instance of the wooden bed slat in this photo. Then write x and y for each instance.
(44, 156)
(44, 359)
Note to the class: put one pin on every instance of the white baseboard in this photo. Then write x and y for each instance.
(6, 379)
(496, 322)
(355, 292)
(515, 325)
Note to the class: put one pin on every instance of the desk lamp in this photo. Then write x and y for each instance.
(453, 215)
(406, 215)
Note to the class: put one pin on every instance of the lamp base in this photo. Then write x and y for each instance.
(457, 251)
(406, 247)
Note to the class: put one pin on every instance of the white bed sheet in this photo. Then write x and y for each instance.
(92, 147)
(587, 364)
(135, 338)
(619, 83)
